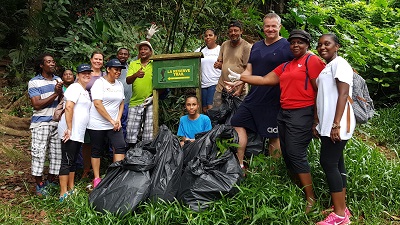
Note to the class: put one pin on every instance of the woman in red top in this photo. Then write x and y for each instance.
(295, 119)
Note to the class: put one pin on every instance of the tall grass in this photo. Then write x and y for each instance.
(267, 196)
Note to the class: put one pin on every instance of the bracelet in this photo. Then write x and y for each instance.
(335, 126)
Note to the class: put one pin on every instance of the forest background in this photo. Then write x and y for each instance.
(369, 31)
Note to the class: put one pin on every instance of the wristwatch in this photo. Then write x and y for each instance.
(335, 126)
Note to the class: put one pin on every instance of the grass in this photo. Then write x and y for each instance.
(384, 128)
(267, 196)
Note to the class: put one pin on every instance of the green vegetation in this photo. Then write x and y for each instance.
(71, 29)
(267, 196)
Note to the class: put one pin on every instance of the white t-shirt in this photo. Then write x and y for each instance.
(111, 95)
(209, 75)
(80, 118)
(328, 94)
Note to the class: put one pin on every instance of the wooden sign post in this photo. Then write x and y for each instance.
(179, 70)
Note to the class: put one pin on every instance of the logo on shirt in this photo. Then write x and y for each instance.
(272, 130)
(299, 65)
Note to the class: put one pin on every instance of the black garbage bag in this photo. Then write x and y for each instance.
(254, 145)
(205, 146)
(126, 183)
(205, 180)
(166, 175)
(222, 114)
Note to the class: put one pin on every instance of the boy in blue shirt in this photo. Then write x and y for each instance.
(193, 122)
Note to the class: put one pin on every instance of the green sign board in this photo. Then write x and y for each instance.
(176, 70)
(175, 74)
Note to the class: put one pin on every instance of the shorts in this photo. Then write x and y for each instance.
(99, 138)
(134, 123)
(207, 95)
(261, 119)
(45, 139)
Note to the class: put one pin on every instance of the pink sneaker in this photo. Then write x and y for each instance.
(327, 211)
(96, 182)
(333, 219)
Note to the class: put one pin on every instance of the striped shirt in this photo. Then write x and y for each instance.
(40, 86)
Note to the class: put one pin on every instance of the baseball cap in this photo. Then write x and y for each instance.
(300, 34)
(83, 67)
(145, 43)
(115, 63)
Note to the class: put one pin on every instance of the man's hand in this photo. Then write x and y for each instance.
(218, 64)
(148, 101)
(233, 76)
(151, 31)
(139, 73)
(58, 87)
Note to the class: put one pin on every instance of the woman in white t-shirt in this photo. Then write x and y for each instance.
(72, 126)
(209, 74)
(105, 116)
(335, 123)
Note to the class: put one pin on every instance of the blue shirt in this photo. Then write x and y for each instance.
(189, 128)
(263, 59)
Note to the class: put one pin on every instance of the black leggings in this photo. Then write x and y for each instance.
(70, 151)
(332, 163)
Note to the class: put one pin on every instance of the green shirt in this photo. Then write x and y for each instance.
(142, 88)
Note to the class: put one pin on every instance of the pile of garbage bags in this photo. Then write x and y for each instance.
(223, 114)
(196, 174)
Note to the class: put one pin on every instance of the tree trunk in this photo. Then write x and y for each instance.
(35, 7)
(278, 6)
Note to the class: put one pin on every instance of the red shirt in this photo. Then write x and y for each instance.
(292, 82)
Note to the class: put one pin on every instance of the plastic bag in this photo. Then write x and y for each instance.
(126, 183)
(223, 114)
(206, 175)
(205, 146)
(206, 180)
(254, 145)
(166, 175)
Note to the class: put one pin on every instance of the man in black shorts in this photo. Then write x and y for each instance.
(259, 109)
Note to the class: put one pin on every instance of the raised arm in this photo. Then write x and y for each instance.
(269, 79)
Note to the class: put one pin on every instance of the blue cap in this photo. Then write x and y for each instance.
(115, 63)
(84, 67)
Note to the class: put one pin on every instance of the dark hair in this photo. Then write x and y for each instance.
(97, 52)
(210, 29)
(235, 23)
(123, 48)
(333, 36)
(40, 61)
(191, 96)
(63, 69)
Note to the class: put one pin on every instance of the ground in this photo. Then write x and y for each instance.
(14, 152)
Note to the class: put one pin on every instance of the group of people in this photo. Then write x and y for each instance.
(313, 98)
(293, 96)
(102, 111)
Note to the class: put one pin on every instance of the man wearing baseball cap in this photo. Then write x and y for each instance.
(140, 75)
(234, 53)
